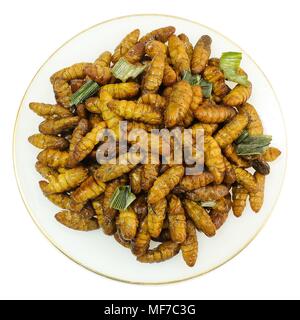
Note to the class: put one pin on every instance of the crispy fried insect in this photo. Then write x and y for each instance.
(128, 42)
(141, 242)
(43, 141)
(49, 110)
(45, 171)
(257, 198)
(167, 92)
(76, 71)
(245, 179)
(239, 199)
(156, 217)
(238, 96)
(189, 248)
(139, 125)
(136, 53)
(63, 92)
(125, 243)
(201, 54)
(64, 201)
(89, 189)
(210, 113)
(179, 103)
(261, 166)
(220, 212)
(76, 221)
(208, 129)
(161, 34)
(54, 158)
(271, 154)
(254, 126)
(179, 57)
(58, 126)
(230, 176)
(149, 174)
(190, 183)
(177, 220)
(208, 193)
(187, 44)
(98, 207)
(197, 98)
(165, 184)
(214, 75)
(154, 75)
(234, 158)
(200, 218)
(135, 178)
(81, 111)
(232, 130)
(122, 90)
(170, 76)
(76, 84)
(163, 252)
(100, 70)
(86, 145)
(140, 207)
(131, 110)
(154, 100)
(154, 47)
(66, 181)
(214, 159)
(127, 223)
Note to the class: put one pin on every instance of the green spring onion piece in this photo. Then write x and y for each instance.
(242, 137)
(86, 91)
(124, 70)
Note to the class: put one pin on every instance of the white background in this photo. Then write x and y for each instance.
(31, 268)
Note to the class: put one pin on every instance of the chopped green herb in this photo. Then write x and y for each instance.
(196, 80)
(206, 88)
(124, 70)
(122, 198)
(253, 145)
(86, 91)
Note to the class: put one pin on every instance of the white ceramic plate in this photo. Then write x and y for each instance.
(94, 250)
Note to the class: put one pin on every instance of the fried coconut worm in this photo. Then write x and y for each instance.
(232, 130)
(54, 158)
(234, 158)
(254, 126)
(189, 248)
(257, 198)
(141, 242)
(150, 173)
(55, 127)
(208, 193)
(214, 75)
(200, 218)
(177, 220)
(76, 221)
(178, 54)
(179, 103)
(127, 223)
(239, 200)
(197, 97)
(246, 179)
(135, 178)
(124, 243)
(66, 181)
(230, 176)
(161, 34)
(210, 113)
(238, 96)
(271, 154)
(100, 70)
(63, 92)
(208, 129)
(65, 202)
(43, 141)
(45, 171)
(49, 110)
(154, 47)
(220, 212)
(122, 90)
(128, 42)
(86, 145)
(154, 100)
(201, 54)
(156, 217)
(214, 159)
(76, 71)
(165, 184)
(163, 252)
(170, 76)
(189, 183)
(131, 110)
(187, 44)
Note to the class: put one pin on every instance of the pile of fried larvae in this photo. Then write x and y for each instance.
(170, 206)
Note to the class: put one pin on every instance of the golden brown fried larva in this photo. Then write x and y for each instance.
(64, 201)
(200, 218)
(201, 54)
(179, 57)
(135, 178)
(177, 220)
(127, 223)
(163, 237)
(214, 75)
(254, 126)
(246, 179)
(165, 184)
(76, 71)
(167, 93)
(97, 205)
(65, 181)
(121, 90)
(210, 113)
(214, 159)
(232, 130)
(54, 158)
(136, 53)
(153, 99)
(271, 154)
(257, 198)
(170, 76)
(140, 207)
(238, 96)
(202, 179)
(49, 110)
(43, 141)
(208, 193)
(154, 47)
(154, 75)
(150, 173)
(63, 92)
(45, 171)
(76, 221)
(141, 242)
(187, 44)
(161, 34)
(234, 158)
(156, 217)
(125, 243)
(131, 110)
(220, 212)
(179, 103)
(230, 176)
(56, 126)
(76, 84)
(197, 97)
(189, 248)
(239, 200)
(163, 252)
(208, 129)
(81, 111)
